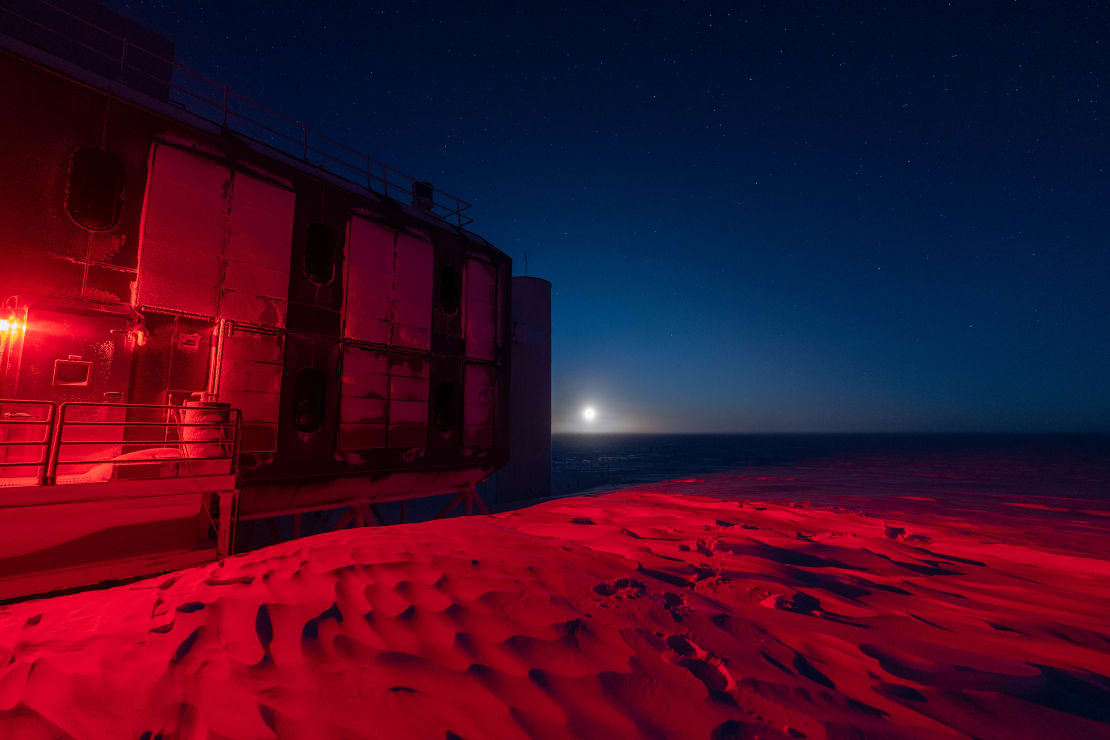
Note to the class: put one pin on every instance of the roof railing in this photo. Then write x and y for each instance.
(217, 103)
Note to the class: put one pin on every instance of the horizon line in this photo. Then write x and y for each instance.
(875, 433)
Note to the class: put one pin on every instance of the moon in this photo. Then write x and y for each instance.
(589, 414)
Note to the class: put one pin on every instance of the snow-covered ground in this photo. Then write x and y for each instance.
(777, 603)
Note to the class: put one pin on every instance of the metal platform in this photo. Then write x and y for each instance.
(102, 492)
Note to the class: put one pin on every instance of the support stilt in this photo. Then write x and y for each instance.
(345, 519)
(470, 498)
(478, 501)
(275, 534)
(451, 505)
(224, 539)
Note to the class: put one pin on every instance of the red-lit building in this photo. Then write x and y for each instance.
(209, 313)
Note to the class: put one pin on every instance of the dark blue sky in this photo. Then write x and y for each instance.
(761, 217)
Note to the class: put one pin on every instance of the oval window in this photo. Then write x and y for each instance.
(94, 192)
(449, 290)
(310, 390)
(319, 254)
(446, 407)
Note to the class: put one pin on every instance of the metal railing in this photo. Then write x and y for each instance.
(83, 442)
(26, 434)
(219, 104)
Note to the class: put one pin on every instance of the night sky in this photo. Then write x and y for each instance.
(758, 218)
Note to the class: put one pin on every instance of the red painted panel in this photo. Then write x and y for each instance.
(184, 225)
(389, 286)
(481, 310)
(250, 380)
(408, 404)
(214, 242)
(259, 242)
(412, 300)
(363, 399)
(369, 266)
(478, 405)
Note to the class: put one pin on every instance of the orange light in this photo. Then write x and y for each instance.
(11, 325)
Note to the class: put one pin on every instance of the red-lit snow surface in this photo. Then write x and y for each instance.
(688, 609)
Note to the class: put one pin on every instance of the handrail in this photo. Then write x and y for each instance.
(301, 142)
(82, 435)
(40, 466)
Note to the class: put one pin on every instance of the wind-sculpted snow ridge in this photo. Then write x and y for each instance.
(634, 614)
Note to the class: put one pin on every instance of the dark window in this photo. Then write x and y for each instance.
(310, 390)
(72, 372)
(319, 254)
(94, 196)
(446, 407)
(449, 290)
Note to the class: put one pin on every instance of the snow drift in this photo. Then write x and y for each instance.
(634, 614)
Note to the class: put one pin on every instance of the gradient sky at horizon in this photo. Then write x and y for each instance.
(762, 217)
